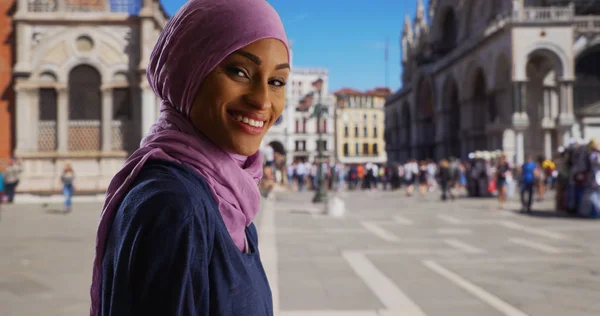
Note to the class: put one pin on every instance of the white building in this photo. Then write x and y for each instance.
(520, 76)
(297, 132)
(81, 90)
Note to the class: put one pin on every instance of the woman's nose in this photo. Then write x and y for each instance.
(259, 96)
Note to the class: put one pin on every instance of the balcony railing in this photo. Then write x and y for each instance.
(587, 24)
(543, 14)
(528, 15)
(114, 6)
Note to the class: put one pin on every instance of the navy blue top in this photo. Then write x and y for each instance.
(169, 253)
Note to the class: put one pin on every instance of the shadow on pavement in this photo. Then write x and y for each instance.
(551, 214)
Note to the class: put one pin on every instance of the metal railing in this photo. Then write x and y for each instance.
(84, 135)
(115, 6)
(543, 14)
(46, 138)
(587, 24)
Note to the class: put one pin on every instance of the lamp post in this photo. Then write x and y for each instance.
(320, 111)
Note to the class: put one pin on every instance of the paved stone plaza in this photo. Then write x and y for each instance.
(390, 255)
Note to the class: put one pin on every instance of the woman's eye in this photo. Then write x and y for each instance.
(277, 83)
(238, 72)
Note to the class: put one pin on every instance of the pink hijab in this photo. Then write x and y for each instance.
(194, 41)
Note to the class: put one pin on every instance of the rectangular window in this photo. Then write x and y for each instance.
(346, 153)
(303, 145)
(324, 126)
(356, 152)
(324, 145)
(365, 149)
(297, 126)
(375, 149)
(374, 131)
(365, 132)
(122, 104)
(303, 125)
(297, 147)
(346, 131)
(356, 131)
(47, 104)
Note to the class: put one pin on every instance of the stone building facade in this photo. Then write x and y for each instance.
(80, 85)
(520, 76)
(359, 126)
(6, 92)
(296, 133)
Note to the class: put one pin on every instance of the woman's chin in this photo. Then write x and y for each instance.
(244, 148)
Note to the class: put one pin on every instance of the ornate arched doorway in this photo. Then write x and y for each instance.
(85, 109)
(543, 71)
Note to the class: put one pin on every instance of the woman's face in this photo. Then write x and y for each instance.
(243, 96)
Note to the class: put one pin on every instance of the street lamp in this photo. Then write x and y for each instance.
(320, 111)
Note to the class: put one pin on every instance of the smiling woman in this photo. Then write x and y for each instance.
(243, 97)
(176, 234)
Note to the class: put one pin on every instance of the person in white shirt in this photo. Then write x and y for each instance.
(301, 169)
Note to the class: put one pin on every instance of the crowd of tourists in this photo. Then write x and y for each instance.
(574, 174)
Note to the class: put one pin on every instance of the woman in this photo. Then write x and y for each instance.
(502, 173)
(176, 234)
(67, 178)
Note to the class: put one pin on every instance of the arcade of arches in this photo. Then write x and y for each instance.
(83, 116)
(489, 113)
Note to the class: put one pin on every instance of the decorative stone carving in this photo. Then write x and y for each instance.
(41, 32)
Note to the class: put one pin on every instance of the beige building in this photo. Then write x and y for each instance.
(360, 126)
(81, 89)
(520, 76)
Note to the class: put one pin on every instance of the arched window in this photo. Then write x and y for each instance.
(449, 32)
(47, 113)
(85, 108)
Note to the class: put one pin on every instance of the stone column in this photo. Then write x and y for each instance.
(548, 144)
(62, 121)
(34, 117)
(23, 118)
(520, 147)
(565, 118)
(107, 118)
(520, 121)
(24, 35)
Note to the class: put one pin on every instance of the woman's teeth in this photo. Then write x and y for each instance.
(250, 122)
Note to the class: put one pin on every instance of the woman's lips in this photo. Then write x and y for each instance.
(250, 124)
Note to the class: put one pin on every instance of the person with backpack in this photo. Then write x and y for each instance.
(528, 178)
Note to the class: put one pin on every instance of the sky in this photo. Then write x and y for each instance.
(348, 37)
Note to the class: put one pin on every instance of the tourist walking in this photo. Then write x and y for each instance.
(502, 173)
(528, 178)
(67, 178)
(12, 174)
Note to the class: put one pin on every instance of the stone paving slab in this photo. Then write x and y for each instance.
(492, 261)
(380, 259)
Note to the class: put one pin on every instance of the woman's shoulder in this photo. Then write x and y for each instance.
(166, 189)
